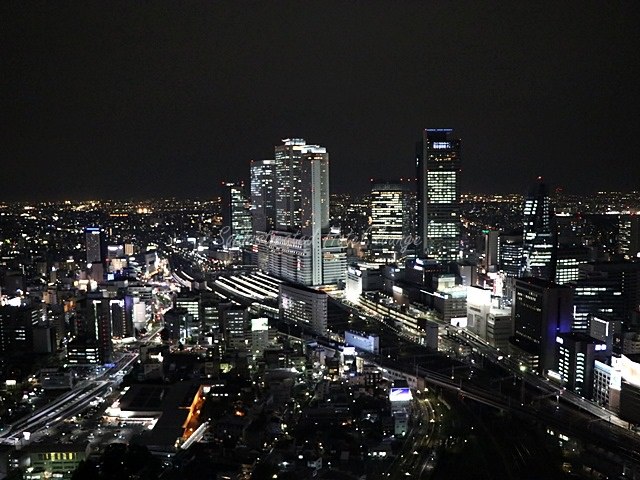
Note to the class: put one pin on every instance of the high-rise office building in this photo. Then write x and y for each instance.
(438, 162)
(237, 214)
(491, 249)
(121, 323)
(314, 190)
(622, 279)
(288, 158)
(178, 323)
(302, 207)
(192, 303)
(575, 356)
(17, 326)
(541, 311)
(289, 184)
(539, 234)
(595, 295)
(95, 245)
(236, 327)
(390, 219)
(98, 327)
(263, 195)
(629, 236)
(104, 331)
(510, 254)
(569, 259)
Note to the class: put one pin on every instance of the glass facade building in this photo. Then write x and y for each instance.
(438, 162)
(238, 216)
(390, 218)
(263, 195)
(539, 235)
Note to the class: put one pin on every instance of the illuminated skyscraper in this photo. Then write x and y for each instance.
(95, 245)
(629, 236)
(314, 191)
(314, 187)
(16, 328)
(302, 207)
(289, 182)
(97, 326)
(390, 218)
(540, 242)
(263, 195)
(541, 311)
(288, 169)
(438, 162)
(237, 213)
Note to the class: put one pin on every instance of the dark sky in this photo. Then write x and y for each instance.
(140, 99)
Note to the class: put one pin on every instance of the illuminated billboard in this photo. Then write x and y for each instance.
(259, 324)
(402, 394)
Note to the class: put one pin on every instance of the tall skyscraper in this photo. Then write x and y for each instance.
(302, 208)
(438, 162)
(104, 331)
(263, 195)
(629, 236)
(510, 254)
(315, 205)
(390, 218)
(288, 198)
(540, 241)
(95, 245)
(314, 191)
(237, 214)
(16, 328)
(541, 311)
(96, 327)
(289, 161)
(491, 249)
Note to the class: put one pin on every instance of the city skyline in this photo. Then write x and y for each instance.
(110, 106)
(337, 240)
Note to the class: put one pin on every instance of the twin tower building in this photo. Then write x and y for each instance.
(287, 217)
(290, 216)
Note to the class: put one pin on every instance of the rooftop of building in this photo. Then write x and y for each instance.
(302, 288)
(175, 410)
(143, 398)
(51, 447)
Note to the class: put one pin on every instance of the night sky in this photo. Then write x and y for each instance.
(140, 99)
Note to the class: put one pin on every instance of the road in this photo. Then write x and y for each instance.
(69, 404)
